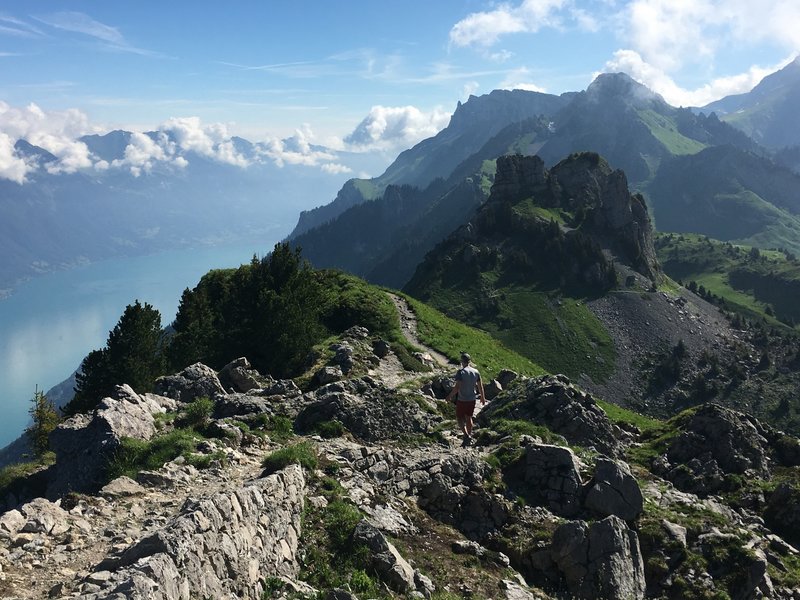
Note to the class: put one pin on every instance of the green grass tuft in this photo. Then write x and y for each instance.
(302, 454)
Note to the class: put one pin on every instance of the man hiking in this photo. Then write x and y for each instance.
(466, 391)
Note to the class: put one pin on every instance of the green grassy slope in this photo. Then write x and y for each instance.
(756, 283)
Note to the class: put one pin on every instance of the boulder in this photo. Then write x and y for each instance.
(552, 478)
(601, 560)
(782, 513)
(381, 348)
(195, 381)
(492, 389)
(42, 516)
(614, 491)
(505, 377)
(386, 560)
(122, 487)
(11, 523)
(239, 376)
(327, 375)
(83, 444)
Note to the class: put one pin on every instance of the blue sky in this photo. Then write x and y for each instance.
(264, 70)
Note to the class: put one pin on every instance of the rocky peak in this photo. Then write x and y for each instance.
(622, 87)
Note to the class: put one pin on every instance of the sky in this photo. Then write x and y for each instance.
(348, 74)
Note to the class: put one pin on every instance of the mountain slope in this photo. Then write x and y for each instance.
(472, 125)
(767, 113)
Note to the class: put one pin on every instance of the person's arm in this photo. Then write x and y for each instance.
(480, 389)
(454, 391)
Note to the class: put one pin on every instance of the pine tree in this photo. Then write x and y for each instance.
(133, 355)
(45, 418)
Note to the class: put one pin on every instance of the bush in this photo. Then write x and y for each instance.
(330, 429)
(302, 454)
(198, 413)
(133, 455)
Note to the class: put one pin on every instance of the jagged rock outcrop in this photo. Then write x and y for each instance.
(713, 443)
(601, 560)
(195, 381)
(83, 444)
(240, 376)
(223, 546)
(554, 402)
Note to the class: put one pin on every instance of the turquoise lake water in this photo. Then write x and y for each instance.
(50, 323)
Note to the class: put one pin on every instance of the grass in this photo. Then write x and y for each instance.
(623, 416)
(13, 475)
(302, 454)
(451, 338)
(666, 131)
(133, 456)
(750, 281)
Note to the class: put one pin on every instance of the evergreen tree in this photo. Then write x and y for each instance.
(45, 418)
(133, 355)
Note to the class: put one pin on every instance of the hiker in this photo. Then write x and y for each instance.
(466, 391)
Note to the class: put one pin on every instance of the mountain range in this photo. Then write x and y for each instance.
(687, 164)
(149, 192)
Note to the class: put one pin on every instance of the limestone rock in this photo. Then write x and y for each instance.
(552, 478)
(218, 546)
(11, 523)
(601, 560)
(42, 516)
(386, 560)
(614, 491)
(381, 348)
(83, 444)
(715, 441)
(492, 389)
(554, 402)
(195, 381)
(240, 376)
(121, 487)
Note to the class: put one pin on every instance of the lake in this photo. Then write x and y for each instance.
(51, 322)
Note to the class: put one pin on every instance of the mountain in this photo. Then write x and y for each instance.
(472, 125)
(352, 478)
(677, 159)
(731, 195)
(147, 192)
(384, 239)
(767, 113)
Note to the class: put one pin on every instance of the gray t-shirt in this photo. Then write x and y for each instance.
(469, 378)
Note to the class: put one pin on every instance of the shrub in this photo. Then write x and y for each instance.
(197, 413)
(133, 455)
(330, 429)
(302, 454)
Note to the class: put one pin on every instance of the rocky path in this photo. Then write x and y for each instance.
(408, 325)
(40, 564)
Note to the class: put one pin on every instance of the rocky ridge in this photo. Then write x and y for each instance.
(535, 517)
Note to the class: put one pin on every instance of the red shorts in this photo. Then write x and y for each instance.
(464, 409)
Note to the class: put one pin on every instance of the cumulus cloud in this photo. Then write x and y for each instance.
(486, 28)
(392, 127)
(299, 150)
(659, 81)
(55, 131)
(12, 166)
(212, 141)
(670, 33)
(336, 169)
(469, 89)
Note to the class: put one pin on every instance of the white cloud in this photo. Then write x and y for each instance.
(671, 33)
(12, 166)
(55, 131)
(336, 169)
(212, 141)
(519, 79)
(469, 89)
(297, 150)
(486, 28)
(143, 152)
(633, 64)
(396, 127)
(80, 23)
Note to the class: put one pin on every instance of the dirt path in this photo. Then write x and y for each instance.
(408, 325)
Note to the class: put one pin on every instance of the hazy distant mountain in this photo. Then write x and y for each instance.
(129, 203)
(472, 125)
(769, 112)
